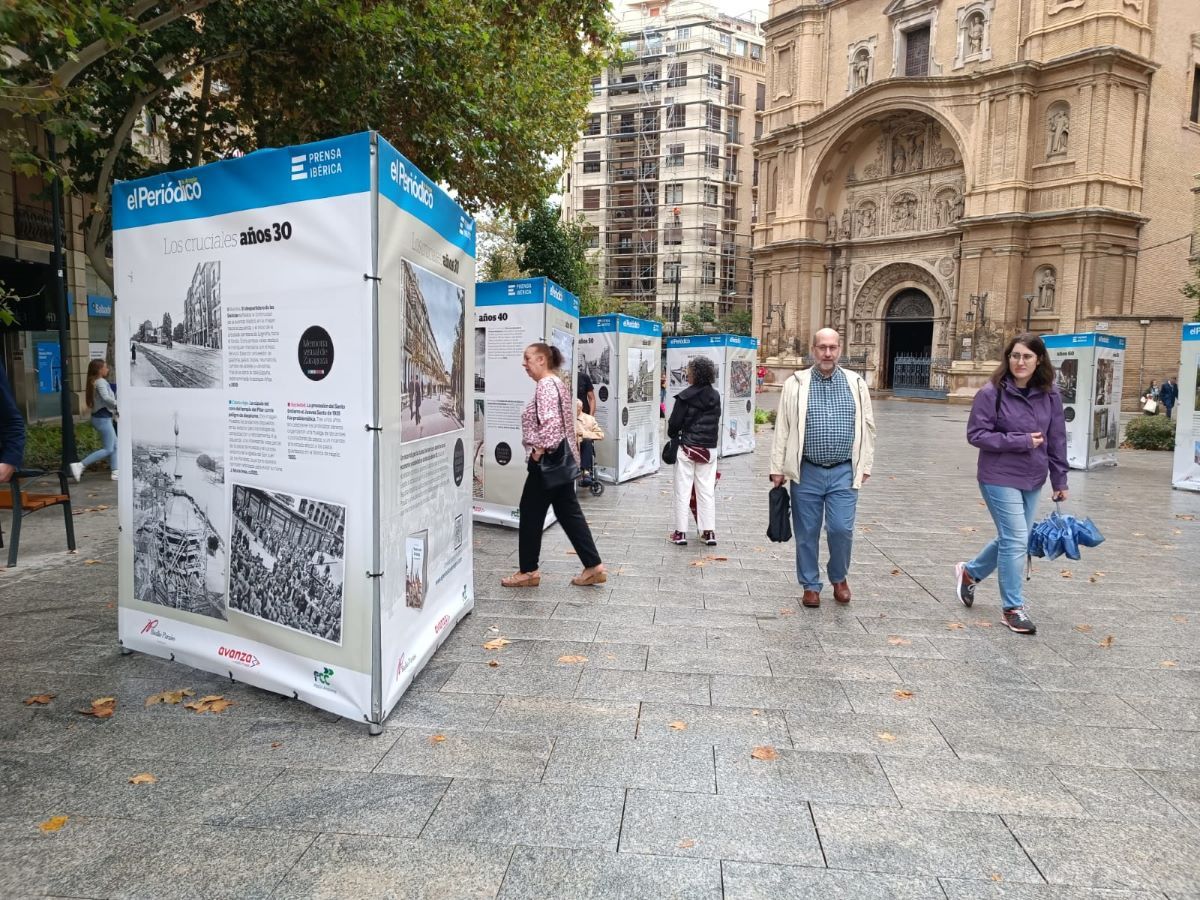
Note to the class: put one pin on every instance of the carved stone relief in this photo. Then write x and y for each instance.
(882, 282)
(785, 72)
(904, 212)
(1058, 129)
(866, 219)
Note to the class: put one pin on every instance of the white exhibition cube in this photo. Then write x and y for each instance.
(1089, 369)
(735, 357)
(294, 505)
(509, 316)
(623, 357)
(1186, 469)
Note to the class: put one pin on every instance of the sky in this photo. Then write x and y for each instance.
(738, 7)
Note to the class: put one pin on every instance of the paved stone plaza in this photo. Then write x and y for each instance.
(921, 750)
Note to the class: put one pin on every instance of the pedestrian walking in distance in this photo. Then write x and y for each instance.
(1017, 423)
(825, 447)
(548, 420)
(103, 403)
(696, 423)
(1169, 394)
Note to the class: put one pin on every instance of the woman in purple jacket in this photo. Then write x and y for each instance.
(1017, 424)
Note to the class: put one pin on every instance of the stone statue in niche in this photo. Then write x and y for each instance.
(867, 333)
(1045, 290)
(916, 152)
(898, 158)
(858, 332)
(866, 220)
(831, 228)
(904, 213)
(862, 66)
(846, 224)
(1058, 132)
(975, 34)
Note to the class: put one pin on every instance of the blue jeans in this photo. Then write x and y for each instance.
(108, 434)
(1012, 510)
(826, 494)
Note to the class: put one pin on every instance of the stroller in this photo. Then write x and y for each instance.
(588, 431)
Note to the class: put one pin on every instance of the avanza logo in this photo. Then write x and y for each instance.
(151, 628)
(241, 657)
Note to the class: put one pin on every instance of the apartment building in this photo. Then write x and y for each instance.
(664, 172)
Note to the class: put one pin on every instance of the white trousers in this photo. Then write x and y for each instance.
(704, 477)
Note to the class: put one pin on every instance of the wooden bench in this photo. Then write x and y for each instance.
(22, 503)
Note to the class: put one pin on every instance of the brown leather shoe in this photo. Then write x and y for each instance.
(811, 599)
(841, 592)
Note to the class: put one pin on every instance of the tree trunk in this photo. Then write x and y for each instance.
(202, 117)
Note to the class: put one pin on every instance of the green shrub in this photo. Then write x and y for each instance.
(1150, 433)
(43, 444)
(762, 417)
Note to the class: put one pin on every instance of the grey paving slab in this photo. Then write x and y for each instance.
(541, 629)
(660, 687)
(513, 609)
(707, 617)
(438, 710)
(540, 872)
(512, 681)
(831, 666)
(651, 635)
(605, 612)
(353, 866)
(641, 764)
(552, 716)
(757, 881)
(798, 775)
(953, 784)
(1110, 854)
(957, 889)
(630, 657)
(542, 815)
(992, 673)
(919, 842)
(878, 645)
(355, 802)
(712, 725)
(890, 735)
(1180, 789)
(707, 662)
(493, 755)
(1117, 795)
(795, 641)
(1172, 713)
(754, 829)
(806, 694)
(434, 675)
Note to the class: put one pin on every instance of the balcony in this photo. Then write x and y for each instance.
(733, 137)
(34, 224)
(733, 176)
(733, 212)
(736, 98)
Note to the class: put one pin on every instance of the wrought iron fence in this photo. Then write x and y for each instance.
(921, 376)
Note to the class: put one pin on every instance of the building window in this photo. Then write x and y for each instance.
(677, 75)
(596, 86)
(756, 51)
(591, 237)
(674, 155)
(711, 195)
(709, 273)
(709, 236)
(916, 52)
(714, 75)
(760, 96)
(673, 235)
(676, 116)
(1196, 95)
(739, 47)
(673, 194)
(671, 272)
(591, 198)
(683, 33)
(591, 161)
(714, 118)
(712, 157)
(593, 124)
(732, 133)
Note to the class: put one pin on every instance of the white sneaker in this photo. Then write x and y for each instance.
(113, 476)
(76, 471)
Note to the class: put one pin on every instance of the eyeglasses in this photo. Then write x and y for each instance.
(1022, 357)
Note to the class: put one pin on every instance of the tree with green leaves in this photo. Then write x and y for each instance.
(479, 95)
(1191, 290)
(558, 250)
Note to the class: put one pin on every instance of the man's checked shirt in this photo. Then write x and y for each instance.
(829, 425)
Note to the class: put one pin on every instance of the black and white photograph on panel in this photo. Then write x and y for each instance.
(1104, 382)
(565, 342)
(631, 444)
(1066, 376)
(287, 561)
(741, 378)
(477, 460)
(179, 511)
(178, 337)
(416, 571)
(434, 355)
(481, 360)
(640, 374)
(596, 363)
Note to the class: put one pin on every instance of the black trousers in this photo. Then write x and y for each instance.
(587, 457)
(536, 500)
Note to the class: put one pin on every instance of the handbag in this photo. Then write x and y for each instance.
(779, 523)
(558, 466)
(1150, 406)
(670, 451)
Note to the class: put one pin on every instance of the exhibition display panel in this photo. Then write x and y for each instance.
(735, 357)
(1089, 370)
(1185, 473)
(293, 445)
(509, 316)
(623, 358)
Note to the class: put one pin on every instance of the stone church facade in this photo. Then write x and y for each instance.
(936, 173)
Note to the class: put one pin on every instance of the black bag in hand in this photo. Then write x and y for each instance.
(670, 452)
(779, 523)
(558, 466)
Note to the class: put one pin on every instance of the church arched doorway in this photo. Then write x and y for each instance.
(908, 342)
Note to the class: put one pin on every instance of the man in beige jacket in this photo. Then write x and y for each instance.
(825, 446)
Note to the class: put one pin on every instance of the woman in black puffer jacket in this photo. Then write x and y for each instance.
(696, 423)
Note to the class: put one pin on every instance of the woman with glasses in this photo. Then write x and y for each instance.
(1017, 423)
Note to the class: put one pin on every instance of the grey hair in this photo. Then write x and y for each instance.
(704, 371)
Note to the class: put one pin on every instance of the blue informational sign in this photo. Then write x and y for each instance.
(49, 367)
(99, 306)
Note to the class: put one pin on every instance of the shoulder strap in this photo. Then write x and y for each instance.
(999, 394)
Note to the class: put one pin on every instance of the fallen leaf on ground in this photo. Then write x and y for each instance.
(996, 876)
(572, 659)
(886, 736)
(1067, 573)
(1108, 642)
(981, 503)
(101, 708)
(436, 738)
(493, 663)
(899, 641)
(1179, 620)
(213, 703)
(1083, 629)
(172, 697)
(570, 553)
(955, 626)
(275, 745)
(1168, 664)
(687, 844)
(1093, 579)
(677, 726)
(865, 530)
(1187, 517)
(53, 824)
(902, 695)
(764, 753)
(896, 572)
(91, 562)
(1139, 534)
(756, 712)
(1176, 531)
(496, 643)
(718, 558)
(787, 612)
(39, 699)
(143, 778)
(968, 529)
(697, 564)
(984, 624)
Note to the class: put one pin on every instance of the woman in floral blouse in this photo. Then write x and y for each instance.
(547, 420)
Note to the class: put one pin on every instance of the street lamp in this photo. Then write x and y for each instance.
(975, 322)
(678, 274)
(1029, 298)
(771, 317)
(1145, 323)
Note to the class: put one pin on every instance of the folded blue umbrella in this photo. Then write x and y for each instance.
(1062, 535)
